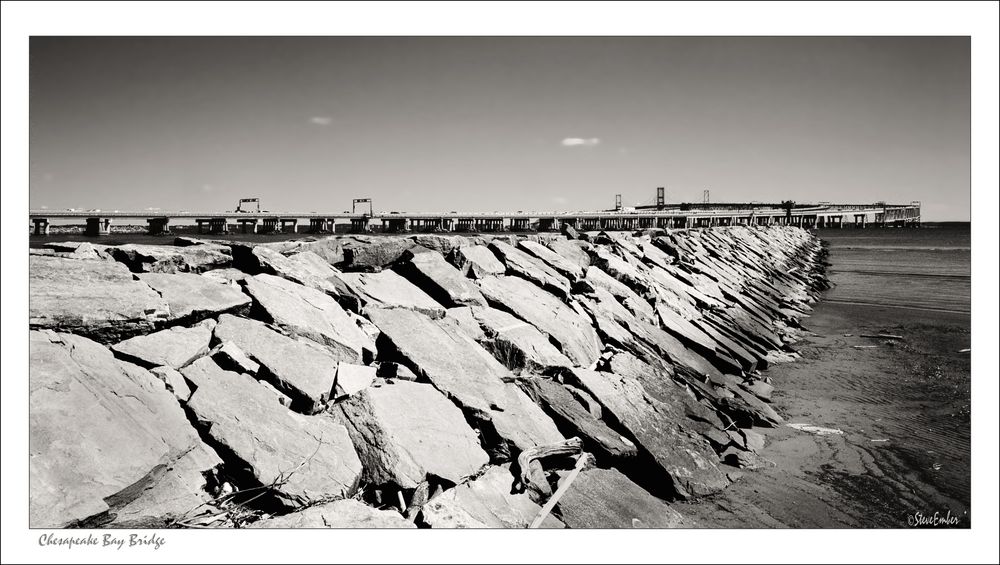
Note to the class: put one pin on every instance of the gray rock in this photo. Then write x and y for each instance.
(305, 268)
(98, 426)
(575, 335)
(330, 249)
(463, 318)
(531, 268)
(165, 259)
(347, 513)
(375, 255)
(299, 368)
(572, 251)
(626, 296)
(443, 244)
(517, 344)
(394, 371)
(486, 502)
(387, 289)
(194, 297)
(307, 458)
(174, 347)
(230, 357)
(684, 458)
(98, 299)
(229, 276)
(605, 498)
(352, 379)
(441, 280)
(476, 261)
(566, 267)
(461, 369)
(405, 431)
(557, 400)
(309, 313)
(174, 381)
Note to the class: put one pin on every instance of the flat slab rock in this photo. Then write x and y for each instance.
(387, 289)
(312, 454)
(347, 513)
(531, 268)
(173, 347)
(194, 297)
(464, 371)
(486, 502)
(605, 498)
(405, 431)
(518, 344)
(573, 332)
(596, 435)
(305, 268)
(95, 298)
(685, 459)
(309, 313)
(300, 368)
(375, 254)
(131, 431)
(566, 267)
(476, 261)
(441, 280)
(167, 259)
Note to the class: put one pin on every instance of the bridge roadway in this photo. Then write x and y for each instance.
(674, 216)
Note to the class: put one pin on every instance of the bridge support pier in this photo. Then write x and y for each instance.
(519, 224)
(98, 226)
(215, 225)
(359, 225)
(158, 226)
(247, 225)
(320, 225)
(41, 226)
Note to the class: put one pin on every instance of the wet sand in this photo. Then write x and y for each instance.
(903, 407)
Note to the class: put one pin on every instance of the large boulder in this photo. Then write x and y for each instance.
(346, 513)
(95, 298)
(441, 280)
(307, 312)
(557, 400)
(304, 459)
(684, 458)
(165, 259)
(572, 251)
(476, 261)
(374, 255)
(405, 431)
(516, 343)
(573, 332)
(387, 289)
(104, 434)
(486, 502)
(628, 298)
(531, 268)
(174, 347)
(193, 297)
(460, 368)
(300, 368)
(605, 498)
(443, 244)
(566, 267)
(305, 268)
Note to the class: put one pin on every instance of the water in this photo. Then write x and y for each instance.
(927, 268)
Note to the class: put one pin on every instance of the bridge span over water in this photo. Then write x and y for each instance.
(821, 215)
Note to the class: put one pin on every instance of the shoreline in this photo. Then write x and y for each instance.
(903, 408)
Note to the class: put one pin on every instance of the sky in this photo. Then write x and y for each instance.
(497, 123)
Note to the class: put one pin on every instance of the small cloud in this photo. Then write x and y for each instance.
(580, 142)
(45, 207)
(559, 199)
(207, 188)
(321, 120)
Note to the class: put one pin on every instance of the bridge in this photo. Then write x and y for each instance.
(701, 215)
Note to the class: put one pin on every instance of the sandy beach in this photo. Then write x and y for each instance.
(903, 408)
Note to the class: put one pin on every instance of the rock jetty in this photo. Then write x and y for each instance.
(575, 380)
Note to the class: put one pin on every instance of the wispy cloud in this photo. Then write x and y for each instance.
(580, 142)
(321, 120)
